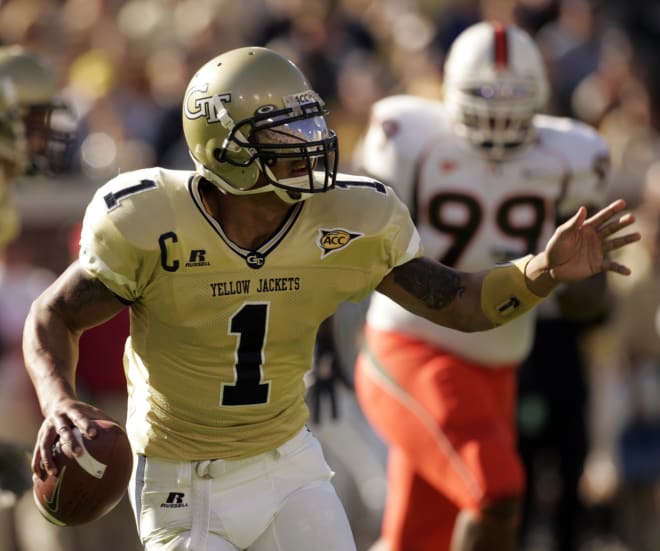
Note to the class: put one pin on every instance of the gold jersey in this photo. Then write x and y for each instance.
(222, 336)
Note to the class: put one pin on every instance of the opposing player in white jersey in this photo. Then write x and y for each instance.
(487, 179)
(229, 269)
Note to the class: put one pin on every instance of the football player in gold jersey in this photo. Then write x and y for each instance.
(37, 131)
(228, 271)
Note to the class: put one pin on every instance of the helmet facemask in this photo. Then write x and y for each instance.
(495, 117)
(297, 137)
(50, 136)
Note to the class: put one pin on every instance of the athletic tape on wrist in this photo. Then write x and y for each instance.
(504, 292)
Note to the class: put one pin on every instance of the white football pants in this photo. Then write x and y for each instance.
(280, 500)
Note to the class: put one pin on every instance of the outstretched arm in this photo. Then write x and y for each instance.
(481, 300)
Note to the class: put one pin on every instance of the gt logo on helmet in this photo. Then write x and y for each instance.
(210, 107)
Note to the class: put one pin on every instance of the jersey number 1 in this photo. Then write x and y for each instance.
(250, 323)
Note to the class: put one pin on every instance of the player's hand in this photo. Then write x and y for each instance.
(57, 428)
(322, 387)
(579, 248)
(325, 377)
(326, 374)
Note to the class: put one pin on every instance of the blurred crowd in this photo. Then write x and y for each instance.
(123, 66)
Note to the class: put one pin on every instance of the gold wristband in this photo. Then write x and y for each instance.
(504, 292)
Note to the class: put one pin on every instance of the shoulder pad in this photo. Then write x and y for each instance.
(138, 204)
(408, 121)
(400, 128)
(580, 145)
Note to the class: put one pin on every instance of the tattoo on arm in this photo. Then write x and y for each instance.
(82, 301)
(84, 292)
(432, 283)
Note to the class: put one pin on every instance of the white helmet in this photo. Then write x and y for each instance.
(494, 83)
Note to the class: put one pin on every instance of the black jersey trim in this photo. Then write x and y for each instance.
(266, 248)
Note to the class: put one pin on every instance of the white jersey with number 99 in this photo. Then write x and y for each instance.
(472, 212)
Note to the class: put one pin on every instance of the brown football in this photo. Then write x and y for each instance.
(90, 486)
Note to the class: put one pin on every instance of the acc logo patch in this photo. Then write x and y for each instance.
(336, 239)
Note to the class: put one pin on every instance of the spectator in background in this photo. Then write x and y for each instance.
(623, 470)
(570, 45)
(319, 35)
(628, 123)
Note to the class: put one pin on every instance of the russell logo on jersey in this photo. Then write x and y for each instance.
(197, 258)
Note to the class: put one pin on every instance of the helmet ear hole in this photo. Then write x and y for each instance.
(242, 178)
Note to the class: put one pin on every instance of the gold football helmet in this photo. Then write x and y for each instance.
(36, 130)
(249, 111)
(28, 86)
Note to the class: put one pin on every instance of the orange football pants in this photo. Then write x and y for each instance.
(450, 428)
